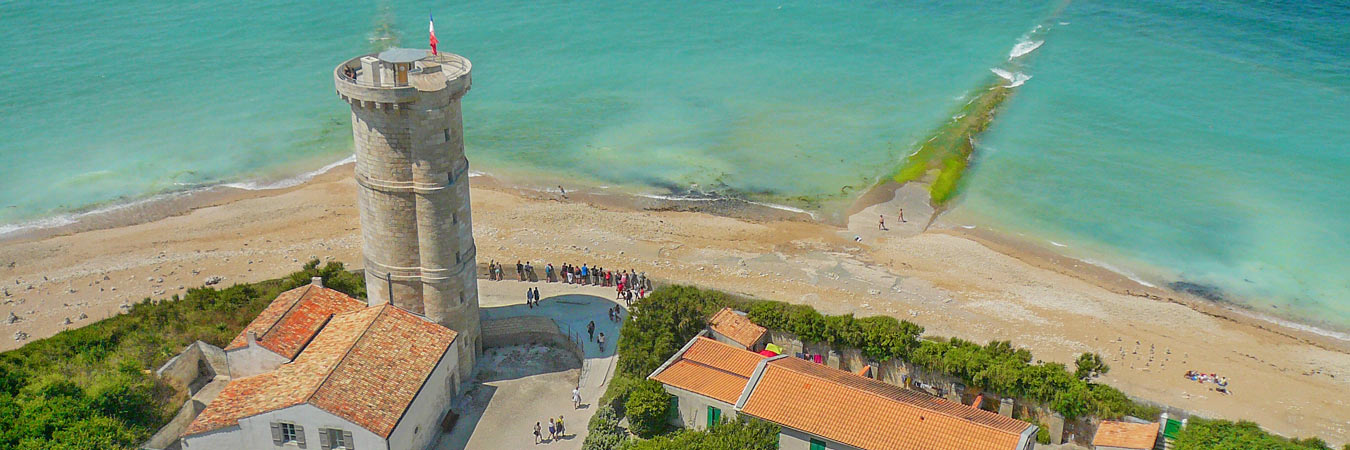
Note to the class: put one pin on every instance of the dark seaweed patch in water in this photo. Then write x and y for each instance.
(1204, 291)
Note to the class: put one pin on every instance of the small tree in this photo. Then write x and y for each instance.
(648, 407)
(1090, 365)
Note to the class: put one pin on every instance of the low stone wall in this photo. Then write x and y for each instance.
(197, 365)
(167, 437)
(522, 330)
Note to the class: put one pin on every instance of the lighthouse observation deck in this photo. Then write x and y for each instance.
(395, 76)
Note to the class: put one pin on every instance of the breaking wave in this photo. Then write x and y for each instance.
(1023, 48)
(1015, 79)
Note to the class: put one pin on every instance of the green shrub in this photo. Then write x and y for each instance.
(1090, 365)
(744, 434)
(657, 326)
(1203, 434)
(647, 408)
(603, 431)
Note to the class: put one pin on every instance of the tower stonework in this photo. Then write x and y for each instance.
(413, 186)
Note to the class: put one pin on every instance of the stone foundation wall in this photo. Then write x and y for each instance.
(524, 330)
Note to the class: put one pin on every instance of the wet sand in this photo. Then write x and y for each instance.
(952, 281)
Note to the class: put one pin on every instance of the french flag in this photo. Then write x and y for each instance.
(433, 35)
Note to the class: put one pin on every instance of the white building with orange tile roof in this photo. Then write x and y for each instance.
(365, 378)
(705, 378)
(818, 407)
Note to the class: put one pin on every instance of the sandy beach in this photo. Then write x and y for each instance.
(953, 282)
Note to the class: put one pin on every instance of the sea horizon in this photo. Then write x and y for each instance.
(1130, 142)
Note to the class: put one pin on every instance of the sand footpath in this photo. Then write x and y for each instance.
(952, 283)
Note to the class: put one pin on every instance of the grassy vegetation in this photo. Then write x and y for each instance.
(94, 387)
(1202, 434)
(951, 148)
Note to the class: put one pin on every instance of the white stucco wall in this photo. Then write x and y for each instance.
(255, 433)
(719, 337)
(790, 439)
(694, 408)
(421, 423)
(252, 360)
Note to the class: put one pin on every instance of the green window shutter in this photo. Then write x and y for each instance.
(347, 441)
(674, 408)
(276, 433)
(714, 416)
(300, 436)
(817, 444)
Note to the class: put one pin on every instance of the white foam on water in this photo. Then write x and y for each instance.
(1057, 244)
(784, 208)
(292, 181)
(1015, 79)
(73, 218)
(1127, 274)
(1023, 48)
(1294, 325)
(475, 173)
(678, 198)
(968, 227)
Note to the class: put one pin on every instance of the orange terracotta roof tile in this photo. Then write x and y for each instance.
(384, 370)
(710, 368)
(365, 366)
(703, 380)
(865, 413)
(1126, 435)
(737, 327)
(292, 320)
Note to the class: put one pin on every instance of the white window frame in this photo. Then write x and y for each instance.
(288, 427)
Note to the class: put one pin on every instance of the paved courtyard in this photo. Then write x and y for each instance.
(519, 385)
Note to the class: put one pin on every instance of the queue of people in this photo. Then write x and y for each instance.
(629, 284)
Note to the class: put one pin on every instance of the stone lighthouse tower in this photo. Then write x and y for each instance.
(416, 230)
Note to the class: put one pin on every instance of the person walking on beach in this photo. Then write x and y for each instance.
(538, 436)
(536, 296)
(529, 297)
(576, 399)
(562, 191)
(601, 340)
(552, 429)
(902, 215)
(562, 432)
(882, 225)
(520, 270)
(590, 330)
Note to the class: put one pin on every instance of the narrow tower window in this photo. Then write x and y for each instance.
(447, 134)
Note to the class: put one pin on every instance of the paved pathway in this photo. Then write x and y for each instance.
(517, 396)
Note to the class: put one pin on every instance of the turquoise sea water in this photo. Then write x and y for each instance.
(1182, 140)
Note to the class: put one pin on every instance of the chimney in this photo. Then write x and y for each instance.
(979, 399)
(252, 338)
(316, 281)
